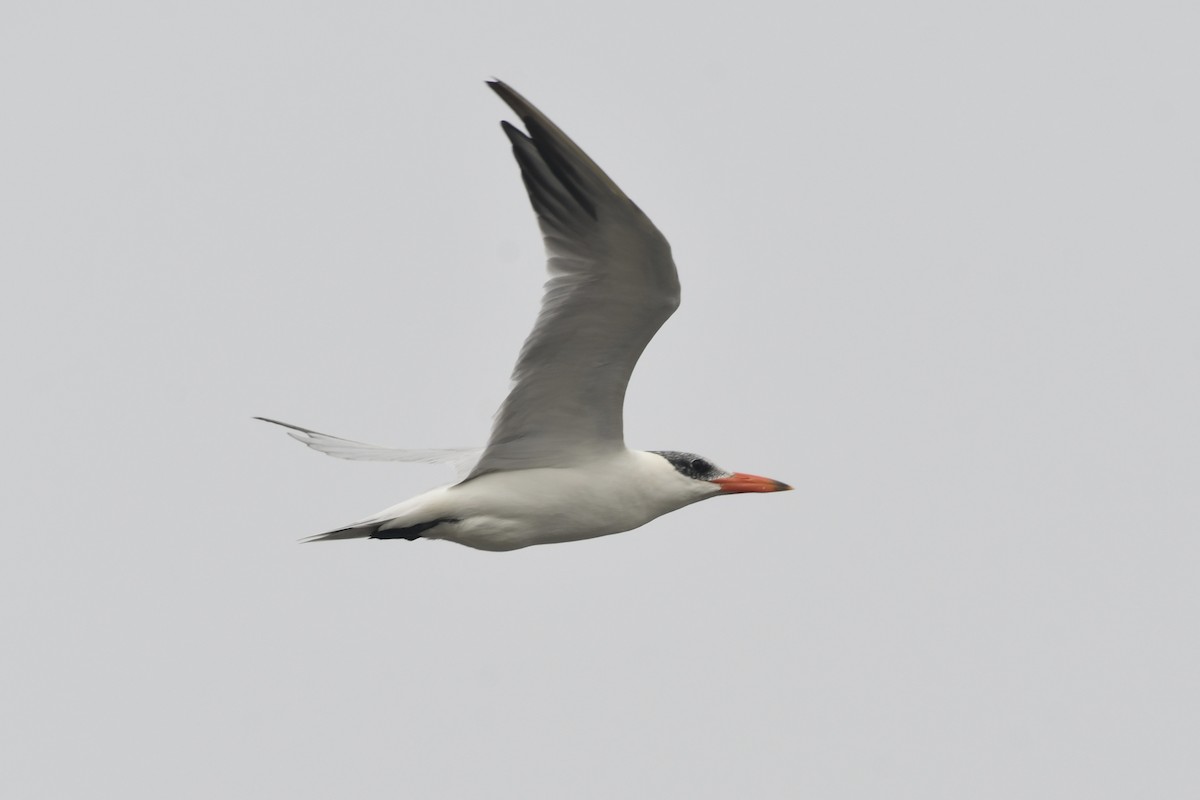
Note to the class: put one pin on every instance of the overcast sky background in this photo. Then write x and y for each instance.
(941, 271)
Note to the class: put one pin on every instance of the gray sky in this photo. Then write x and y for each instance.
(940, 273)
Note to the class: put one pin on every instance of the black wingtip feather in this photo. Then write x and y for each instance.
(550, 192)
(546, 153)
(511, 98)
(567, 175)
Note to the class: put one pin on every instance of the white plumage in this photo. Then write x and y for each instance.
(556, 468)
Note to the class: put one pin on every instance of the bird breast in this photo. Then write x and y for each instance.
(514, 509)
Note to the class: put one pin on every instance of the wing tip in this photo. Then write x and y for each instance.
(512, 131)
(507, 93)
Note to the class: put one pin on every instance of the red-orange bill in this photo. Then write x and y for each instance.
(741, 482)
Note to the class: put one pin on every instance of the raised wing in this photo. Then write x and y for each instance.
(612, 286)
(461, 459)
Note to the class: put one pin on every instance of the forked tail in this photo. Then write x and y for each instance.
(462, 459)
(382, 529)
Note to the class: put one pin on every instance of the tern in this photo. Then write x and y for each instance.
(556, 468)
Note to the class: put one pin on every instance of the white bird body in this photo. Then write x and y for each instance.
(556, 468)
(612, 494)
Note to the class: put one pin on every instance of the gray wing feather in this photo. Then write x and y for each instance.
(612, 285)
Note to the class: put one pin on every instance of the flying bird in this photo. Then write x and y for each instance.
(556, 468)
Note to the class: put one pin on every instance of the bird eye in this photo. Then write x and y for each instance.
(701, 466)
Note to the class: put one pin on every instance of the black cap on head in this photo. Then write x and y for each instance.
(692, 465)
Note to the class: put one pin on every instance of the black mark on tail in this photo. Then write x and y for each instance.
(412, 532)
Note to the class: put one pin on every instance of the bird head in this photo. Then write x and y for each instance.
(699, 468)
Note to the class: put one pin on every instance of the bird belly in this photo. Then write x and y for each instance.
(511, 510)
(493, 532)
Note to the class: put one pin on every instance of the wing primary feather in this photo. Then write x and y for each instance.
(549, 137)
(553, 158)
(547, 195)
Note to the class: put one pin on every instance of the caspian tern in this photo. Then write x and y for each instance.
(556, 468)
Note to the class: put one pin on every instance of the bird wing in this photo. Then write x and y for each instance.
(461, 459)
(612, 285)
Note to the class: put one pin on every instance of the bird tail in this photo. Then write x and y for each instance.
(462, 459)
(390, 528)
(360, 531)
